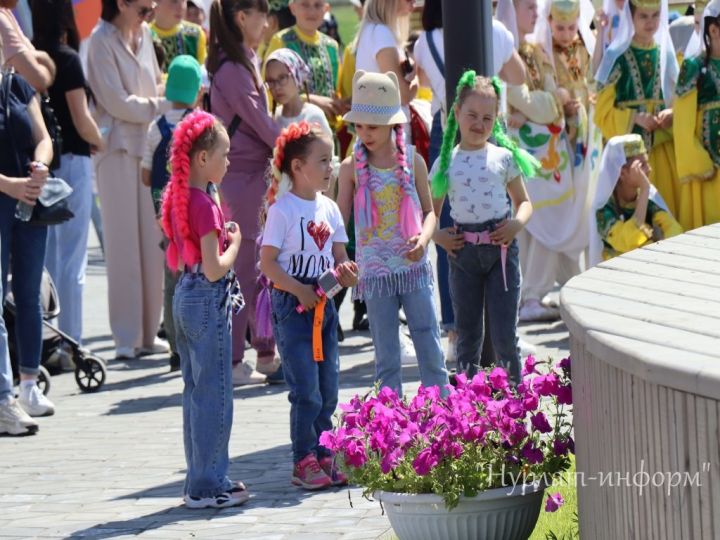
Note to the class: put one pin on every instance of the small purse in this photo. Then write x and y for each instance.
(51, 207)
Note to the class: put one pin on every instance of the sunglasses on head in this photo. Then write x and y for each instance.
(143, 11)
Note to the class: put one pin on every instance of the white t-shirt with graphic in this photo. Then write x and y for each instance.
(477, 183)
(304, 231)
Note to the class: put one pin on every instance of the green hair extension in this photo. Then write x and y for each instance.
(440, 182)
(528, 164)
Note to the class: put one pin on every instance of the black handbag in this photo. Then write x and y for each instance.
(51, 207)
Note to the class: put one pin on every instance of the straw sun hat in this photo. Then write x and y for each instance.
(375, 100)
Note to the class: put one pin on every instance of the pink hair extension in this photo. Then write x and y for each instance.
(410, 222)
(176, 198)
(365, 206)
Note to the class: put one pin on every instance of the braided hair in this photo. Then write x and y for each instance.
(293, 143)
(470, 83)
(198, 131)
(366, 213)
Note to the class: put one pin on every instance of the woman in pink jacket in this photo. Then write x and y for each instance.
(238, 98)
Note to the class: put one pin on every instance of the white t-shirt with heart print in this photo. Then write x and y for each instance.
(304, 231)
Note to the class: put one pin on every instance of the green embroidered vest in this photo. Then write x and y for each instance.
(695, 74)
(322, 59)
(636, 76)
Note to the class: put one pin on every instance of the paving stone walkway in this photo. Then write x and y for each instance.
(111, 465)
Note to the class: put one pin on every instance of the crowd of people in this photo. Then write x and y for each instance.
(242, 162)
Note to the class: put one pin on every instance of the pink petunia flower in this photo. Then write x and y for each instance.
(532, 454)
(540, 423)
(498, 378)
(554, 502)
(546, 385)
(529, 366)
(564, 395)
(425, 461)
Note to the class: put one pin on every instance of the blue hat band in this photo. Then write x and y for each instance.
(375, 109)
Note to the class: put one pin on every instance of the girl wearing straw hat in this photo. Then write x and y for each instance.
(394, 222)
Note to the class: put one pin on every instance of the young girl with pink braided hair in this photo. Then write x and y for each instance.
(305, 237)
(394, 222)
(203, 247)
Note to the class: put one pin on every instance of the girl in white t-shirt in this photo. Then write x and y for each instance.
(286, 74)
(383, 32)
(481, 180)
(304, 236)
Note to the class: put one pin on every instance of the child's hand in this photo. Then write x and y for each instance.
(601, 18)
(563, 96)
(516, 120)
(331, 107)
(665, 119)
(417, 250)
(506, 231)
(449, 239)
(646, 121)
(637, 177)
(233, 233)
(308, 297)
(347, 274)
(571, 108)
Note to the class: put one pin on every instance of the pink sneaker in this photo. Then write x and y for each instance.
(333, 471)
(308, 474)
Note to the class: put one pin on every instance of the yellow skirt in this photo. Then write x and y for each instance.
(664, 174)
(699, 202)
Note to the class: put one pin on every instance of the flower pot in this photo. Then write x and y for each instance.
(495, 514)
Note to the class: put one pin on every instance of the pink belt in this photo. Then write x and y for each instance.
(478, 238)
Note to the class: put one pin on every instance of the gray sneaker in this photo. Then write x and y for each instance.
(14, 420)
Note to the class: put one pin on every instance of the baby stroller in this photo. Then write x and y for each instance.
(90, 371)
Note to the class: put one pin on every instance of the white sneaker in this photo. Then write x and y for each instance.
(533, 310)
(158, 347)
(526, 349)
(244, 374)
(35, 402)
(408, 357)
(267, 365)
(14, 420)
(124, 353)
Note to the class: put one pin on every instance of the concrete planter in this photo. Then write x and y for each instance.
(495, 514)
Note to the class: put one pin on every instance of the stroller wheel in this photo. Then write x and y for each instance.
(90, 373)
(43, 380)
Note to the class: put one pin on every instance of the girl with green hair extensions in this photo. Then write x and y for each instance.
(481, 180)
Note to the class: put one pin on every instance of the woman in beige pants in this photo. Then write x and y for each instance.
(124, 76)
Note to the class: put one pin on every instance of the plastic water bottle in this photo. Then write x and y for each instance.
(23, 211)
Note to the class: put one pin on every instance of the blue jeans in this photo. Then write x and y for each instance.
(66, 254)
(384, 323)
(476, 278)
(6, 376)
(446, 309)
(204, 344)
(26, 244)
(313, 385)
